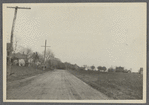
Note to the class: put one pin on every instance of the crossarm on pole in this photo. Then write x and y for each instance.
(20, 7)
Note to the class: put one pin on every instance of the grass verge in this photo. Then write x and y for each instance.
(19, 73)
(114, 85)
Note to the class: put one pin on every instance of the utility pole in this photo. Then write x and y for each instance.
(16, 45)
(45, 52)
(12, 32)
(15, 49)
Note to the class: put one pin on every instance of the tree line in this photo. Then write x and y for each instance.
(55, 63)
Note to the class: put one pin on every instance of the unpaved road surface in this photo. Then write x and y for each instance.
(56, 85)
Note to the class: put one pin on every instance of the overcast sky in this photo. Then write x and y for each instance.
(86, 34)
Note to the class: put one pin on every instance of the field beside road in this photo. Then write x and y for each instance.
(114, 85)
(23, 72)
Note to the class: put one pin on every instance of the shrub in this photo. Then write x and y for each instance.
(119, 69)
(111, 70)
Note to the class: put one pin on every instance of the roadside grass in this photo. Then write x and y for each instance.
(115, 85)
(19, 73)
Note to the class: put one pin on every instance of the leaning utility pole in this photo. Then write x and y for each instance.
(45, 52)
(12, 32)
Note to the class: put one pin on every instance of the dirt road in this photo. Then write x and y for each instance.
(56, 85)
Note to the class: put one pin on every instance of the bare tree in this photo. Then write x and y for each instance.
(41, 57)
(27, 52)
(49, 55)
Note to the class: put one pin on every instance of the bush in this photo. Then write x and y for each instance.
(111, 70)
(119, 69)
(81, 68)
(100, 68)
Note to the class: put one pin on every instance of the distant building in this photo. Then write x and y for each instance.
(102, 70)
(34, 60)
(129, 71)
(85, 67)
(18, 58)
(88, 68)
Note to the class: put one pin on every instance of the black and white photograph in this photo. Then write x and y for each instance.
(74, 52)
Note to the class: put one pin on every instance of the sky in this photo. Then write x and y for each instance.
(99, 34)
